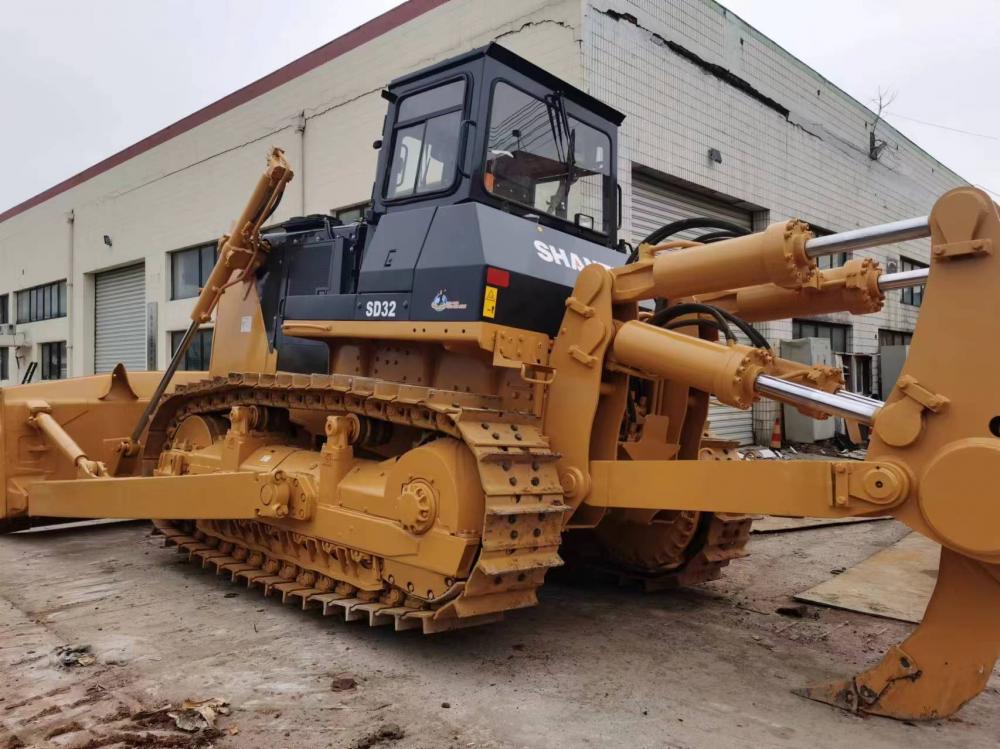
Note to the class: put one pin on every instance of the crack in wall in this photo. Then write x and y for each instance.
(112, 196)
(529, 24)
(717, 71)
(342, 103)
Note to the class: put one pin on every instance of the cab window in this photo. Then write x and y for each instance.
(425, 141)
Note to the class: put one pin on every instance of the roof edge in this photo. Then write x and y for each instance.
(354, 38)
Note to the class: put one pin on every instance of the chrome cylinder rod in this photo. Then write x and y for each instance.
(901, 280)
(860, 398)
(870, 236)
(856, 408)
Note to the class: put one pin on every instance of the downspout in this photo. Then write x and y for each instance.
(70, 275)
(301, 130)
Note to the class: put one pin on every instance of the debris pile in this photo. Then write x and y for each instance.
(199, 715)
(71, 656)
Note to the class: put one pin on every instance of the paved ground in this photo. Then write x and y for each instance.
(592, 666)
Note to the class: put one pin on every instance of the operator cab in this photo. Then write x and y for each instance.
(496, 186)
(491, 127)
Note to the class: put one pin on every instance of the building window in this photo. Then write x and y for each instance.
(857, 372)
(912, 295)
(199, 352)
(894, 337)
(54, 360)
(4, 309)
(838, 335)
(351, 214)
(190, 269)
(425, 141)
(826, 262)
(42, 302)
(4, 363)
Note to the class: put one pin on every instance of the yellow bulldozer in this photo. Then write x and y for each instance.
(410, 419)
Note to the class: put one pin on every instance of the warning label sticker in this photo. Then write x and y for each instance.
(490, 302)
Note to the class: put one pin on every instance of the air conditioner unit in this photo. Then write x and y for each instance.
(9, 335)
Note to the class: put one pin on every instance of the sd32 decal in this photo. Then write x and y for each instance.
(382, 307)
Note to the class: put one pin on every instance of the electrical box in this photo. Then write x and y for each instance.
(798, 427)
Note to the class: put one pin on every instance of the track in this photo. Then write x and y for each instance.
(522, 525)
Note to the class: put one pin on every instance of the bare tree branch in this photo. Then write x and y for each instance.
(875, 144)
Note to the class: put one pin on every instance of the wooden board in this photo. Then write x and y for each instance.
(895, 583)
(775, 524)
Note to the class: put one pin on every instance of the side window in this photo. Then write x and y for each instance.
(425, 141)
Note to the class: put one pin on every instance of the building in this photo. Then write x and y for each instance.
(720, 121)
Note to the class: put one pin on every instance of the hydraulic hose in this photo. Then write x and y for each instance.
(700, 222)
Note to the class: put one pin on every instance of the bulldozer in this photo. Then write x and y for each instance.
(410, 419)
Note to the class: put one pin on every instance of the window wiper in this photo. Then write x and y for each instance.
(565, 139)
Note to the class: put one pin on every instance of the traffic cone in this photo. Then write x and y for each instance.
(776, 434)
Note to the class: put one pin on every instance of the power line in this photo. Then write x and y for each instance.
(943, 127)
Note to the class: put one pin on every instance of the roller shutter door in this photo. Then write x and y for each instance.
(654, 204)
(120, 319)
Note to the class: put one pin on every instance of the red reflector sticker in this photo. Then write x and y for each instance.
(497, 277)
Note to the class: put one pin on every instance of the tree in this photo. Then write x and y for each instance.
(877, 145)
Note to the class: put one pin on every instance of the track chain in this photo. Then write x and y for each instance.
(522, 522)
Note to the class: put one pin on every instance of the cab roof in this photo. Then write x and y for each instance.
(529, 69)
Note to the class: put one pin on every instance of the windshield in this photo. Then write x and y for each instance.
(539, 157)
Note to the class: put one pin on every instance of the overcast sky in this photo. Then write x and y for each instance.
(82, 79)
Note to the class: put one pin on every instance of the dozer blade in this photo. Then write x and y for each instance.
(944, 663)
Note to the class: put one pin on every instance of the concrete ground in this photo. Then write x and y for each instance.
(592, 666)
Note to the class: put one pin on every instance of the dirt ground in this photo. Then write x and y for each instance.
(593, 666)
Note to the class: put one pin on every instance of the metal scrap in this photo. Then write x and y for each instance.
(761, 453)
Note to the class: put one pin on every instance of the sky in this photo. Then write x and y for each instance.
(83, 79)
